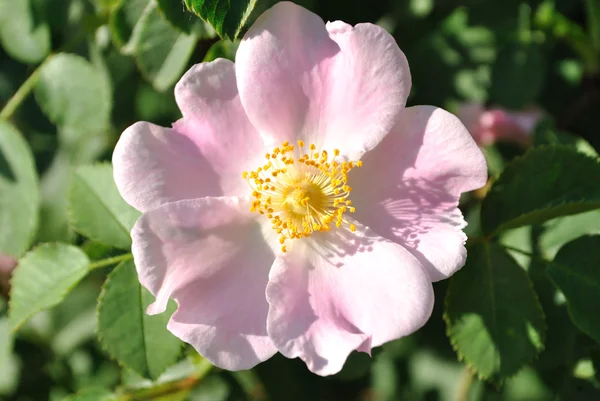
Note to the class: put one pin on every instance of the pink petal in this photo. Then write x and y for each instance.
(337, 86)
(208, 255)
(470, 115)
(509, 126)
(409, 186)
(203, 155)
(494, 124)
(343, 292)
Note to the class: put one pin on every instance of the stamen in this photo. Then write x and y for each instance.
(302, 193)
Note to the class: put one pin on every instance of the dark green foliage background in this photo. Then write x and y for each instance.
(521, 321)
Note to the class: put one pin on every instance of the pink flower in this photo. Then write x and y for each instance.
(496, 124)
(298, 206)
(7, 265)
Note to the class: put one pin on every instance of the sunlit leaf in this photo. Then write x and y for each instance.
(96, 208)
(136, 340)
(19, 192)
(43, 278)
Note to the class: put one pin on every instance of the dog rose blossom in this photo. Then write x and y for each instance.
(488, 126)
(298, 206)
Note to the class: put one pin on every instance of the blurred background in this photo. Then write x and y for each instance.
(518, 73)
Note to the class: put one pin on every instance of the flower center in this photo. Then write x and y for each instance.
(301, 192)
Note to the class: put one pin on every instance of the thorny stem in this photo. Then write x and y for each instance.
(168, 388)
(110, 261)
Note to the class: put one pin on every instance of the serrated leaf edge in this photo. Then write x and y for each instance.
(123, 365)
(14, 328)
(71, 219)
(469, 364)
(220, 31)
(519, 159)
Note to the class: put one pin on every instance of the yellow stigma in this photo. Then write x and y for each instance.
(301, 193)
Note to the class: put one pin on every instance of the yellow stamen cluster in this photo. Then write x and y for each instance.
(302, 192)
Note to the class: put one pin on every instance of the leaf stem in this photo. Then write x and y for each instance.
(172, 387)
(26, 87)
(465, 384)
(110, 261)
(21, 94)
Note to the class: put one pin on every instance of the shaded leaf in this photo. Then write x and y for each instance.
(493, 317)
(124, 17)
(179, 17)
(545, 183)
(9, 379)
(559, 231)
(222, 49)
(23, 33)
(518, 75)
(575, 270)
(97, 209)
(593, 21)
(138, 341)
(19, 192)
(162, 51)
(75, 96)
(546, 134)
(43, 278)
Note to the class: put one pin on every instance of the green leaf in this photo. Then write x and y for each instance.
(136, 340)
(161, 51)
(177, 14)
(227, 17)
(96, 209)
(19, 192)
(124, 17)
(23, 33)
(518, 75)
(75, 96)
(43, 278)
(54, 183)
(222, 49)
(575, 271)
(9, 380)
(546, 134)
(559, 231)
(179, 17)
(546, 182)
(560, 27)
(593, 21)
(358, 365)
(493, 317)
